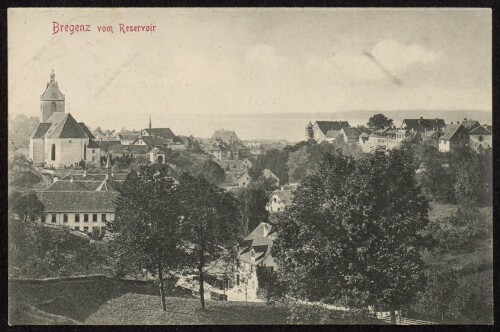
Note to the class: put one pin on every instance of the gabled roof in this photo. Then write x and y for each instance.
(333, 133)
(268, 173)
(165, 133)
(482, 130)
(351, 132)
(470, 124)
(106, 145)
(157, 150)
(450, 131)
(422, 124)
(285, 196)
(129, 135)
(364, 134)
(325, 126)
(129, 149)
(107, 185)
(78, 201)
(243, 176)
(52, 91)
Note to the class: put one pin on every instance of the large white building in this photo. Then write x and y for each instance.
(59, 140)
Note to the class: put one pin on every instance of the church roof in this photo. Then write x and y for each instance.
(165, 133)
(67, 127)
(86, 130)
(326, 126)
(41, 129)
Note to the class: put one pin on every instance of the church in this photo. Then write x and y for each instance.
(59, 140)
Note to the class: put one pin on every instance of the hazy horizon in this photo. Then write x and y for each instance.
(260, 61)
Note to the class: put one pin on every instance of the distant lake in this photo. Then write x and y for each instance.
(290, 126)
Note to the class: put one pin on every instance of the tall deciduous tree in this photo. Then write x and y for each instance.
(27, 206)
(210, 223)
(252, 202)
(352, 235)
(378, 121)
(148, 216)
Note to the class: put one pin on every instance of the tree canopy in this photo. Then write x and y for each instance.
(378, 121)
(352, 235)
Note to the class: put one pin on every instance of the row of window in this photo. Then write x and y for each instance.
(53, 218)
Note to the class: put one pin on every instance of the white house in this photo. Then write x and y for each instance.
(268, 174)
(244, 180)
(454, 136)
(320, 129)
(481, 136)
(279, 201)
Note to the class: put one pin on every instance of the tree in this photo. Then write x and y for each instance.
(27, 206)
(378, 121)
(23, 127)
(252, 202)
(208, 225)
(212, 172)
(148, 217)
(354, 229)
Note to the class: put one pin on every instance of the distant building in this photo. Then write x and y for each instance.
(219, 150)
(350, 135)
(268, 174)
(421, 125)
(321, 128)
(59, 140)
(279, 201)
(386, 139)
(431, 137)
(470, 125)
(227, 136)
(481, 136)
(244, 180)
(454, 136)
(128, 137)
(157, 155)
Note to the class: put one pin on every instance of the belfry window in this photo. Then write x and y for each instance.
(53, 106)
(53, 152)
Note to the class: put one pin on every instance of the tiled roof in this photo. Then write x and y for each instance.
(106, 145)
(422, 124)
(470, 124)
(325, 126)
(40, 130)
(95, 177)
(78, 201)
(480, 131)
(351, 132)
(67, 127)
(86, 130)
(93, 145)
(225, 135)
(165, 133)
(129, 135)
(450, 131)
(153, 141)
(129, 149)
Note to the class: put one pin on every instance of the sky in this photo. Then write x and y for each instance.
(236, 61)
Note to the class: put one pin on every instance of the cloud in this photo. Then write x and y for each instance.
(354, 67)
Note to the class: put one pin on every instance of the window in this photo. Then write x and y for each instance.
(53, 218)
(65, 217)
(94, 217)
(77, 217)
(84, 152)
(85, 218)
(53, 106)
(480, 138)
(77, 228)
(53, 152)
(85, 228)
(103, 217)
(275, 200)
(238, 279)
(93, 151)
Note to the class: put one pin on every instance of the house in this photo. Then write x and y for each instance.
(244, 180)
(431, 138)
(386, 138)
(350, 135)
(128, 137)
(80, 210)
(219, 150)
(130, 150)
(481, 137)
(270, 175)
(59, 140)
(226, 136)
(165, 133)
(321, 128)
(279, 201)
(454, 136)
(255, 251)
(470, 124)
(363, 142)
(421, 125)
(235, 165)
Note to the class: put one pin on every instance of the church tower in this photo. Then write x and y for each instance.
(52, 100)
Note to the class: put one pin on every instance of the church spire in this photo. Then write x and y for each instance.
(149, 121)
(52, 77)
